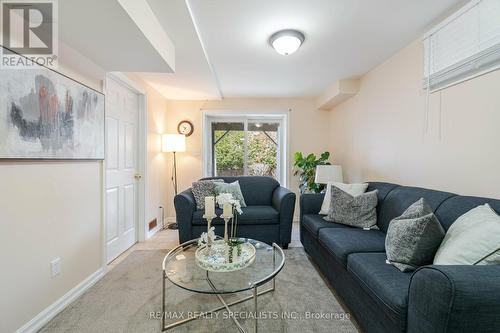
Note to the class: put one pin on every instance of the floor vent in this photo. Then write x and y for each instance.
(153, 224)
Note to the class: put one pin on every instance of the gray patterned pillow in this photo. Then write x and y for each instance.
(413, 238)
(202, 189)
(233, 188)
(356, 211)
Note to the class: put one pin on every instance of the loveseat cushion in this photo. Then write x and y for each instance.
(383, 282)
(251, 215)
(257, 190)
(341, 242)
(315, 222)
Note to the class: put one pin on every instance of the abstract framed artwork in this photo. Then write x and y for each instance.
(47, 115)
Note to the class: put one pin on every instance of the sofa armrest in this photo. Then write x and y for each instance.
(310, 203)
(284, 202)
(185, 206)
(454, 299)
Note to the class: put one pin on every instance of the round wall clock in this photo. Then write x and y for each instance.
(185, 127)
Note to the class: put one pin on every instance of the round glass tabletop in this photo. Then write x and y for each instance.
(180, 267)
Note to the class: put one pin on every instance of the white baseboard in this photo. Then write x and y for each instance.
(52, 310)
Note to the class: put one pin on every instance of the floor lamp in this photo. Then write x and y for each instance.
(173, 143)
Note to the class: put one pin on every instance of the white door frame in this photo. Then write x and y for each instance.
(142, 190)
(232, 115)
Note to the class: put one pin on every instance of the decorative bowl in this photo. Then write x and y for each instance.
(216, 258)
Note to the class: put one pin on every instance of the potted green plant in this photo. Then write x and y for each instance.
(305, 168)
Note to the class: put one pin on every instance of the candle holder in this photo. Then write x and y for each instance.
(226, 232)
(209, 219)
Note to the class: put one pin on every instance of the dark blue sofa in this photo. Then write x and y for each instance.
(383, 299)
(268, 216)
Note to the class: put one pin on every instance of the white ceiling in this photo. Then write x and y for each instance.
(343, 39)
(193, 78)
(106, 34)
(222, 50)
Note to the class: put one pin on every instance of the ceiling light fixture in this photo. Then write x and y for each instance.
(286, 42)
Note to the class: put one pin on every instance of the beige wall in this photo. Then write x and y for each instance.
(47, 210)
(376, 135)
(39, 221)
(53, 209)
(156, 160)
(380, 133)
(308, 131)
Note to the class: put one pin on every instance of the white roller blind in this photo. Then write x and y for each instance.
(465, 45)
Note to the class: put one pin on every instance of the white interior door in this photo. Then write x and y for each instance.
(122, 119)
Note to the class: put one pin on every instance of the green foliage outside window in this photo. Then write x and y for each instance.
(229, 153)
(262, 153)
(229, 150)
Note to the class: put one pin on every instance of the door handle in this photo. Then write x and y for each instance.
(137, 177)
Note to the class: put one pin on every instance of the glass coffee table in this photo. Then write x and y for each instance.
(180, 268)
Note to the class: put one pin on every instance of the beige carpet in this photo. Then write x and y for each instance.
(124, 300)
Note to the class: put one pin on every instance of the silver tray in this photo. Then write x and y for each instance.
(216, 258)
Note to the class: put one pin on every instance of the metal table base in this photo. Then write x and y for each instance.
(254, 296)
(224, 305)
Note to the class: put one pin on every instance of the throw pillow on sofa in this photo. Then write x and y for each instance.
(356, 211)
(202, 189)
(233, 188)
(352, 189)
(473, 239)
(413, 238)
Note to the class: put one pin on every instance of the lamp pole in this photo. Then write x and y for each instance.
(173, 143)
(175, 174)
(174, 178)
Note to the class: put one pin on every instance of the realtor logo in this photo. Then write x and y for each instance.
(28, 29)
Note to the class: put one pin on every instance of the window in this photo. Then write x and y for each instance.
(245, 145)
(465, 45)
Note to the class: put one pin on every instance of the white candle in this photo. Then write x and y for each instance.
(228, 210)
(209, 206)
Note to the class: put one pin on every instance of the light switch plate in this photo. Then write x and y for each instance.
(55, 267)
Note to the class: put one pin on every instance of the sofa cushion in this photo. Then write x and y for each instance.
(382, 188)
(356, 211)
(400, 198)
(341, 242)
(454, 207)
(251, 215)
(383, 282)
(414, 237)
(315, 222)
(472, 240)
(352, 189)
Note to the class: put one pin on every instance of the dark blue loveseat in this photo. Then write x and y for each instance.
(268, 216)
(383, 299)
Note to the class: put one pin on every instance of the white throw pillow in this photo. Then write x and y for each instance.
(352, 189)
(474, 239)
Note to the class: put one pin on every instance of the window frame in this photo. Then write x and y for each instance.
(480, 62)
(231, 116)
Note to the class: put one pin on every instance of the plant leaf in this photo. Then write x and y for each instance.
(325, 156)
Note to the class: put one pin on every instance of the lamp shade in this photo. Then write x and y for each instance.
(328, 173)
(173, 143)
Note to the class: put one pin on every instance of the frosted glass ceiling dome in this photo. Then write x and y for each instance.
(286, 42)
